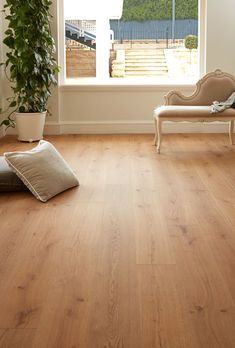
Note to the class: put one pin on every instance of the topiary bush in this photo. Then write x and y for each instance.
(191, 42)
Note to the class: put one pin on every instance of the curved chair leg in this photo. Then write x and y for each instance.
(231, 127)
(155, 137)
(159, 132)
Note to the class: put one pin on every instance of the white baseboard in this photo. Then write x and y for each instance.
(52, 128)
(105, 127)
(135, 127)
(129, 127)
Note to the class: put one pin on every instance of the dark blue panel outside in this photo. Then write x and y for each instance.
(153, 30)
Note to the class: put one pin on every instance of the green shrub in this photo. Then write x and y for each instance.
(191, 42)
(139, 10)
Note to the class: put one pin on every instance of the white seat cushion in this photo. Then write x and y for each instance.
(182, 111)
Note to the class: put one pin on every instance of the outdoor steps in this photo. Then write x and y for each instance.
(145, 62)
(143, 52)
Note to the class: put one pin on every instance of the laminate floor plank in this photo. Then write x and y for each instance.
(140, 255)
(204, 293)
(20, 338)
(214, 175)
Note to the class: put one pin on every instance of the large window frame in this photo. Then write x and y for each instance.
(96, 81)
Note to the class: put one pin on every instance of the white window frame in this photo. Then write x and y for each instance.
(63, 81)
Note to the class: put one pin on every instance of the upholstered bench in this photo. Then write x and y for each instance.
(215, 86)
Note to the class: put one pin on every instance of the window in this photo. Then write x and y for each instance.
(151, 40)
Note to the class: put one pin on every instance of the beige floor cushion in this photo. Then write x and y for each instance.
(9, 181)
(43, 170)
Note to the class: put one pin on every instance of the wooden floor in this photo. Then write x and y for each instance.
(141, 255)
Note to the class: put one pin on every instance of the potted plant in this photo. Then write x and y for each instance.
(30, 65)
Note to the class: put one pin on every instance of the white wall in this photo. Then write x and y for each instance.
(220, 35)
(110, 109)
(4, 87)
(115, 109)
(1, 80)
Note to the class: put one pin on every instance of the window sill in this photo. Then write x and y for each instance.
(114, 84)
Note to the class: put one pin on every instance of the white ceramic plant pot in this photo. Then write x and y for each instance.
(30, 125)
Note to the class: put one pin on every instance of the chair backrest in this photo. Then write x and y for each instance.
(213, 86)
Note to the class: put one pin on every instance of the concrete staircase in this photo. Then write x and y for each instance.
(145, 62)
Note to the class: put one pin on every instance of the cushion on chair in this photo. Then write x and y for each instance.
(43, 170)
(9, 181)
(182, 111)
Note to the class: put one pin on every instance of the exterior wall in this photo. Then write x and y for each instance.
(86, 66)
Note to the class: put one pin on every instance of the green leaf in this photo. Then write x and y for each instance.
(5, 123)
(8, 32)
(22, 108)
(9, 42)
(30, 61)
(12, 104)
